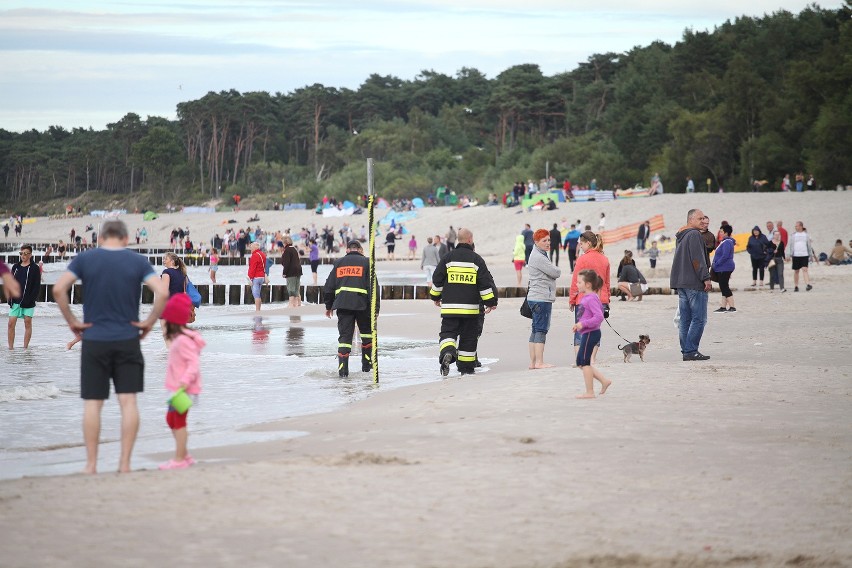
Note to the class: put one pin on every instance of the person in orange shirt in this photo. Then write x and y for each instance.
(592, 258)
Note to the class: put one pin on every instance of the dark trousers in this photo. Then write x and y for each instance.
(346, 320)
(460, 336)
(757, 267)
(572, 257)
(554, 250)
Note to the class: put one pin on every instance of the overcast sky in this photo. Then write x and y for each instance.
(87, 63)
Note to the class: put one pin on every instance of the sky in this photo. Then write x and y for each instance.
(85, 63)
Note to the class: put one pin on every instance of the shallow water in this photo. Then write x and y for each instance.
(254, 371)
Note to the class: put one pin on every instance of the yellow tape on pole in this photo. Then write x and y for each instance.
(374, 292)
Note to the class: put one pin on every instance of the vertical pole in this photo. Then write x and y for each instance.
(547, 169)
(371, 203)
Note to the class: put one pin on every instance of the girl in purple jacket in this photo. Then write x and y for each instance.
(589, 319)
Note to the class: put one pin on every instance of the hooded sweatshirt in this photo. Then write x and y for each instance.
(689, 266)
(543, 275)
(723, 261)
(756, 246)
(520, 251)
(183, 368)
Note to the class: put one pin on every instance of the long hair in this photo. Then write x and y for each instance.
(178, 262)
(592, 278)
(173, 330)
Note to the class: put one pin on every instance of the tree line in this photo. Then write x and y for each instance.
(757, 98)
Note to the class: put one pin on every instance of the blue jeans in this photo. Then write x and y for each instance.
(540, 321)
(693, 318)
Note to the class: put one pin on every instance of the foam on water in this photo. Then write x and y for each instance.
(254, 370)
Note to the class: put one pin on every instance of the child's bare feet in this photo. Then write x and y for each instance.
(544, 366)
(585, 395)
(605, 385)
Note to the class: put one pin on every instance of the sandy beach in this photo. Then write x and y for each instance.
(743, 460)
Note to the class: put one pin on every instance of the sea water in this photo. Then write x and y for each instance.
(254, 369)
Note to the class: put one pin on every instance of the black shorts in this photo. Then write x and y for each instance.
(120, 361)
(800, 262)
(314, 265)
(391, 248)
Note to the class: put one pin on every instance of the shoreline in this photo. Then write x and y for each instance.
(742, 460)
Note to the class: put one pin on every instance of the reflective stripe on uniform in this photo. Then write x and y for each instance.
(349, 345)
(446, 342)
(366, 335)
(460, 311)
(474, 307)
(466, 356)
(350, 289)
(463, 265)
(486, 294)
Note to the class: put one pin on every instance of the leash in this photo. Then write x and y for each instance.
(618, 334)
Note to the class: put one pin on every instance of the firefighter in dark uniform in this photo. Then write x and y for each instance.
(347, 290)
(460, 283)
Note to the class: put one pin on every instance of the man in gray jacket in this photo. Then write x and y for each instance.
(690, 276)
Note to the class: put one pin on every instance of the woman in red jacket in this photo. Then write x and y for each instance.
(257, 272)
(592, 258)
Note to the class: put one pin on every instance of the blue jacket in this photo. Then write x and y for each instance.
(571, 239)
(756, 246)
(723, 260)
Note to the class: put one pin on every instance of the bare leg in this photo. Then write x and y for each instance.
(594, 354)
(92, 432)
(518, 272)
(315, 278)
(796, 278)
(532, 356)
(129, 429)
(257, 304)
(589, 380)
(605, 382)
(539, 357)
(805, 276)
(28, 331)
(12, 322)
(181, 436)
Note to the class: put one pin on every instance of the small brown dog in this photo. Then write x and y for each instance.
(637, 347)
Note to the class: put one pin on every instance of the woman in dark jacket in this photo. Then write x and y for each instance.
(756, 248)
(292, 272)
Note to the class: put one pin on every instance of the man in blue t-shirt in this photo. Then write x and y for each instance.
(111, 332)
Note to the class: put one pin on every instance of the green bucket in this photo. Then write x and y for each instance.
(181, 401)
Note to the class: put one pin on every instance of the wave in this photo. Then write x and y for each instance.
(29, 392)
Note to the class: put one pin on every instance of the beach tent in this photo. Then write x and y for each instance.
(149, 215)
(382, 203)
(417, 202)
(348, 205)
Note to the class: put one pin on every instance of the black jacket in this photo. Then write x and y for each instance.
(29, 277)
(461, 282)
(348, 284)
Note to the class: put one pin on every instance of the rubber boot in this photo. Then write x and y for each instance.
(343, 365)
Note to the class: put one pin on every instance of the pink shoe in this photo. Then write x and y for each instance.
(172, 464)
(189, 460)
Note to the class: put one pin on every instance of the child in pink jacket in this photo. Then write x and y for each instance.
(185, 347)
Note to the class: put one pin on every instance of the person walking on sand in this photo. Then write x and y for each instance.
(801, 250)
(292, 271)
(570, 243)
(519, 257)
(723, 267)
(594, 259)
(460, 284)
(348, 291)
(429, 260)
(214, 265)
(602, 223)
(182, 372)
(555, 241)
(590, 316)
(690, 276)
(541, 295)
(111, 332)
(22, 305)
(257, 273)
(527, 233)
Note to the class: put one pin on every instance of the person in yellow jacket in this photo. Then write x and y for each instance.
(519, 256)
(460, 283)
(347, 290)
